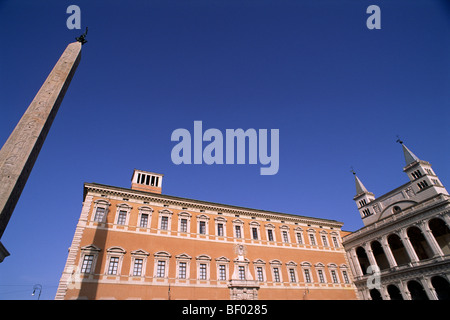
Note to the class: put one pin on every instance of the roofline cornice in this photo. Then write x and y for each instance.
(205, 205)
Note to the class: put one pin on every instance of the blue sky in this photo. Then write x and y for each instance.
(338, 92)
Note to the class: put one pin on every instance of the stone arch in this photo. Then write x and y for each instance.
(419, 243)
(380, 256)
(416, 290)
(398, 249)
(442, 287)
(394, 292)
(441, 233)
(375, 294)
(362, 259)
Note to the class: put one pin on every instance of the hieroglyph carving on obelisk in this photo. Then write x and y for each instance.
(21, 150)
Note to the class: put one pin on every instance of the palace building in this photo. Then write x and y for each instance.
(403, 250)
(137, 243)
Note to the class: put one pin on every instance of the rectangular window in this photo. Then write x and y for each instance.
(344, 273)
(144, 220)
(122, 217)
(220, 229)
(270, 235)
(164, 223)
(87, 264)
(99, 214)
(202, 227)
(182, 270)
(113, 265)
(312, 240)
(255, 233)
(238, 231)
(202, 270)
(161, 269)
(222, 272)
(324, 241)
(241, 273)
(292, 275)
(137, 269)
(336, 244)
(276, 275)
(183, 225)
(299, 238)
(321, 278)
(333, 274)
(259, 274)
(307, 276)
(285, 237)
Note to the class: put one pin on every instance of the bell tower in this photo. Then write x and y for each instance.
(363, 198)
(420, 173)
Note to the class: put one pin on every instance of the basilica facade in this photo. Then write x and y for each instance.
(403, 250)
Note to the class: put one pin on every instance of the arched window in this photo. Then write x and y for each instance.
(379, 255)
(416, 290)
(419, 243)
(442, 287)
(441, 233)
(398, 249)
(394, 292)
(363, 259)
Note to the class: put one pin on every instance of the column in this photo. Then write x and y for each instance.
(429, 237)
(404, 290)
(356, 264)
(388, 252)
(408, 246)
(370, 255)
(429, 289)
(385, 293)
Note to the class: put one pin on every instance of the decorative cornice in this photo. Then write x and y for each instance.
(205, 205)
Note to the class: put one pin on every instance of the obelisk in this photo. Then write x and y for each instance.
(21, 150)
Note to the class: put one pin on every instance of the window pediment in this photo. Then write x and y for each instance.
(91, 248)
(165, 212)
(119, 250)
(124, 206)
(183, 256)
(222, 259)
(306, 264)
(259, 261)
(140, 252)
(275, 262)
(203, 257)
(145, 208)
(162, 254)
(184, 214)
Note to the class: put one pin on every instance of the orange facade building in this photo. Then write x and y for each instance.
(140, 244)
